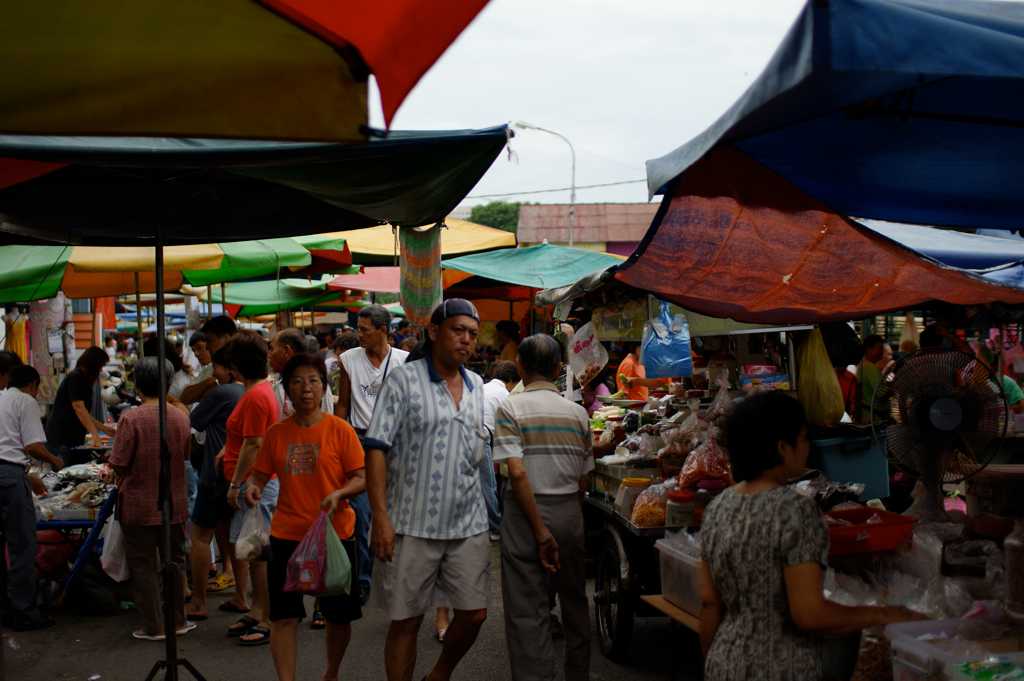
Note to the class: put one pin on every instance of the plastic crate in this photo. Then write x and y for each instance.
(955, 673)
(680, 578)
(854, 458)
(894, 531)
(930, 650)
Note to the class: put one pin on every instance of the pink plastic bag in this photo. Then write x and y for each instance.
(307, 568)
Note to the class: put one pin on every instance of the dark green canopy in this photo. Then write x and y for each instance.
(123, 191)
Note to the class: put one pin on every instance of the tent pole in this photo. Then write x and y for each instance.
(138, 313)
(209, 301)
(223, 297)
(172, 582)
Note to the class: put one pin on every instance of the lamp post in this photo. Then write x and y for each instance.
(572, 191)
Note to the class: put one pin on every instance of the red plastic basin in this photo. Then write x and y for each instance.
(894, 531)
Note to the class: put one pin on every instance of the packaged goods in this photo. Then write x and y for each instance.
(587, 356)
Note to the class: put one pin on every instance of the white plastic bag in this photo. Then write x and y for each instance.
(254, 536)
(113, 559)
(587, 357)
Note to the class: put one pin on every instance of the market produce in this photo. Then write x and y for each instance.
(707, 462)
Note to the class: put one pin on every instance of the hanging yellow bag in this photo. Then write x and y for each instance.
(817, 384)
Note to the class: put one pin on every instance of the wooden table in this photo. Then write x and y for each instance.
(658, 602)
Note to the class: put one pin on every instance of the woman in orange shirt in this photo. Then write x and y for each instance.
(319, 462)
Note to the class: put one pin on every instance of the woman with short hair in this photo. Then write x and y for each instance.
(318, 460)
(764, 550)
(136, 460)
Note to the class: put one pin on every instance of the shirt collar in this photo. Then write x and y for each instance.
(541, 385)
(436, 377)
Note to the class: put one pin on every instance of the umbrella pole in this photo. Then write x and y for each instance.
(138, 313)
(209, 301)
(172, 581)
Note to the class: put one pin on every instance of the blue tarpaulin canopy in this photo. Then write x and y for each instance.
(956, 249)
(903, 110)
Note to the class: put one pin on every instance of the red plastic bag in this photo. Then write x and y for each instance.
(307, 568)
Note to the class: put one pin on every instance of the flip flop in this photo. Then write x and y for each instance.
(231, 606)
(243, 625)
(262, 632)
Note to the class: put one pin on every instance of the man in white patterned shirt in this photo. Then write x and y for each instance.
(424, 448)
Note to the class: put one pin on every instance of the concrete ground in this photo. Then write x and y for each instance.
(92, 648)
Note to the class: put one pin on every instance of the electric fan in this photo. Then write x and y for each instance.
(943, 414)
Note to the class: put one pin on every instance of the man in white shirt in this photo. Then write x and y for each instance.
(22, 438)
(361, 375)
(504, 378)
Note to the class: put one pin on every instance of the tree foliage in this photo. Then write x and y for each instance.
(499, 214)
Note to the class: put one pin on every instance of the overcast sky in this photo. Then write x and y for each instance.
(624, 81)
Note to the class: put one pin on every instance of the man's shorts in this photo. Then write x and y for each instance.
(211, 507)
(288, 604)
(268, 504)
(426, 572)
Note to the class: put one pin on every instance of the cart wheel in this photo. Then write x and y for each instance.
(613, 598)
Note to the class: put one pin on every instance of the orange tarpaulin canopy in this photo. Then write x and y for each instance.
(735, 240)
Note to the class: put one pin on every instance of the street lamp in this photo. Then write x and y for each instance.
(572, 192)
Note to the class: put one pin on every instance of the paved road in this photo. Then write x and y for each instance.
(83, 648)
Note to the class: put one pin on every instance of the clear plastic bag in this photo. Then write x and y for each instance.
(254, 536)
(722, 402)
(113, 559)
(707, 462)
(651, 507)
(307, 568)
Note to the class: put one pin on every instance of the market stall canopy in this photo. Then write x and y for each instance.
(277, 69)
(253, 298)
(117, 191)
(377, 244)
(737, 240)
(956, 249)
(903, 110)
(512, 273)
(38, 272)
(373, 279)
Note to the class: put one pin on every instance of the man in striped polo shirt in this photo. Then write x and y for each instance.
(423, 453)
(546, 442)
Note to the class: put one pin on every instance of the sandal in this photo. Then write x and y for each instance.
(262, 632)
(141, 635)
(231, 606)
(318, 621)
(186, 628)
(242, 626)
(221, 582)
(196, 616)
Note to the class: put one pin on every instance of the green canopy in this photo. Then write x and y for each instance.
(538, 267)
(252, 259)
(256, 298)
(32, 272)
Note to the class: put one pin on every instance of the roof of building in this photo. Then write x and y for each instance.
(594, 222)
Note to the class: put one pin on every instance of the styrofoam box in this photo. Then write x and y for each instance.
(680, 578)
(914, 658)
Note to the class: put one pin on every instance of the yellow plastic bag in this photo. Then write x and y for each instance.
(817, 384)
